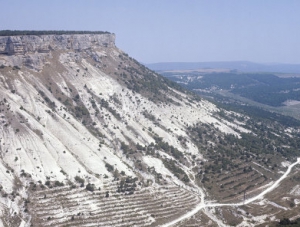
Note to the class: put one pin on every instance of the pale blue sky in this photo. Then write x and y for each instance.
(173, 30)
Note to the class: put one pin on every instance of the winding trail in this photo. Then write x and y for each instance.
(204, 205)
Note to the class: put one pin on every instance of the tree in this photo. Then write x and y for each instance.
(90, 187)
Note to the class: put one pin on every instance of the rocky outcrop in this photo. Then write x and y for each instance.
(18, 45)
(32, 50)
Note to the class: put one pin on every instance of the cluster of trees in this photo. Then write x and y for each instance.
(261, 145)
(81, 111)
(127, 185)
(150, 116)
(106, 105)
(176, 170)
(142, 80)
(56, 184)
(165, 146)
(50, 103)
(225, 152)
(287, 222)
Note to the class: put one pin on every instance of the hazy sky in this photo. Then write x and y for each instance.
(173, 30)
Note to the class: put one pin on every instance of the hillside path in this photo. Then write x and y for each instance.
(204, 205)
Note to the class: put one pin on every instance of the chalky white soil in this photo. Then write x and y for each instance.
(50, 144)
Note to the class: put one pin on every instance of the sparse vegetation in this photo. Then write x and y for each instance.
(176, 170)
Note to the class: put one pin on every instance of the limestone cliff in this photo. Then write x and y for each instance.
(11, 45)
(31, 50)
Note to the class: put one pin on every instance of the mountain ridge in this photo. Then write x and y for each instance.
(65, 114)
(242, 66)
(88, 134)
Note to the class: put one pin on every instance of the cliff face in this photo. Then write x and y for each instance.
(32, 51)
(18, 45)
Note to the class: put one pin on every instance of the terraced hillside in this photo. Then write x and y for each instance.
(145, 206)
(90, 137)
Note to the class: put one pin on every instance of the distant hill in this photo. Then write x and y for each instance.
(243, 66)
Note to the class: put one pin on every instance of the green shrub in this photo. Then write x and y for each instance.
(58, 184)
(109, 167)
(90, 187)
(79, 180)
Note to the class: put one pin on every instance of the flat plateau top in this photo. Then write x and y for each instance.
(50, 32)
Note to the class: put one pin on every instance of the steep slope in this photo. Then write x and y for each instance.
(88, 134)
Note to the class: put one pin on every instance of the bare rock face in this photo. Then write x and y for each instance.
(18, 45)
(31, 50)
